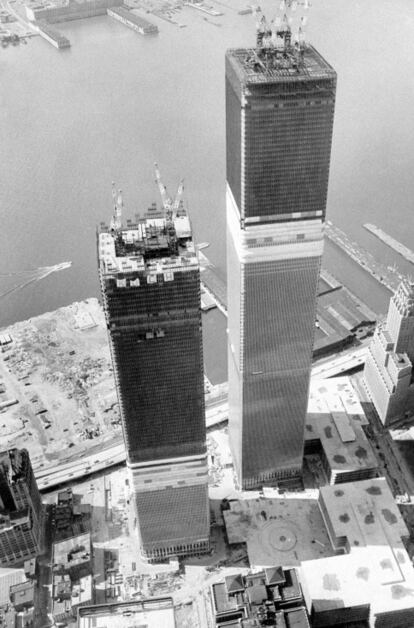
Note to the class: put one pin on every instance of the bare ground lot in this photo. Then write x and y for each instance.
(57, 371)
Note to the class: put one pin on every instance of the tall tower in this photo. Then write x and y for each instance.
(20, 508)
(150, 280)
(280, 101)
(388, 367)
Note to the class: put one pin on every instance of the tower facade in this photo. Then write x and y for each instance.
(20, 508)
(388, 367)
(150, 281)
(279, 118)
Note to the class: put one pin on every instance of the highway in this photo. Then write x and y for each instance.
(340, 364)
(216, 414)
(112, 454)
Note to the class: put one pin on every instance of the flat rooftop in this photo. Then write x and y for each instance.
(336, 417)
(68, 595)
(22, 593)
(73, 551)
(9, 576)
(377, 568)
(339, 316)
(311, 66)
(278, 531)
(151, 613)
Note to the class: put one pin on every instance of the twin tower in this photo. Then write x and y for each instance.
(279, 117)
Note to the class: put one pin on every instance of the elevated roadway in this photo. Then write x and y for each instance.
(340, 364)
(216, 414)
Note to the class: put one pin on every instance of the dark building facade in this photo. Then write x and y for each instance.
(150, 282)
(20, 508)
(279, 118)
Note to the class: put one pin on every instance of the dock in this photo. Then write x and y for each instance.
(51, 35)
(203, 8)
(215, 286)
(208, 301)
(388, 276)
(400, 248)
(132, 20)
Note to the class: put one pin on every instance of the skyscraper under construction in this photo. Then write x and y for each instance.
(280, 99)
(150, 282)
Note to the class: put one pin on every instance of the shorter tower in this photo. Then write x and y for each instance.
(150, 280)
(20, 508)
(388, 368)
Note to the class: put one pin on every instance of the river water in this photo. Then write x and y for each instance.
(72, 121)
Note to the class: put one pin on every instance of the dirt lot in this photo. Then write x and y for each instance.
(56, 374)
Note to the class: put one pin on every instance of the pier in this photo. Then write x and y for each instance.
(132, 20)
(203, 8)
(396, 246)
(52, 35)
(212, 284)
(386, 275)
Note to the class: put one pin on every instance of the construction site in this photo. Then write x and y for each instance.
(57, 395)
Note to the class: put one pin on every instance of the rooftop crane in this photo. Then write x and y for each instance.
(170, 205)
(179, 194)
(278, 43)
(116, 220)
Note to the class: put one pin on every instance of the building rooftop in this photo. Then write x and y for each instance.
(255, 602)
(151, 613)
(22, 593)
(157, 242)
(404, 297)
(13, 462)
(278, 531)
(336, 417)
(72, 552)
(340, 317)
(278, 66)
(377, 568)
(8, 578)
(68, 594)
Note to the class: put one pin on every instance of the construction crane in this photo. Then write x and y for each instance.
(278, 44)
(171, 206)
(27, 277)
(116, 220)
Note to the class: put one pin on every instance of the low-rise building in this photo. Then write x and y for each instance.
(271, 597)
(340, 318)
(9, 578)
(334, 429)
(372, 577)
(22, 596)
(72, 585)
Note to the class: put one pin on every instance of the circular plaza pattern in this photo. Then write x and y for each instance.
(279, 536)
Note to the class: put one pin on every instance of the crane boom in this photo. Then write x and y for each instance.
(166, 201)
(170, 206)
(178, 197)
